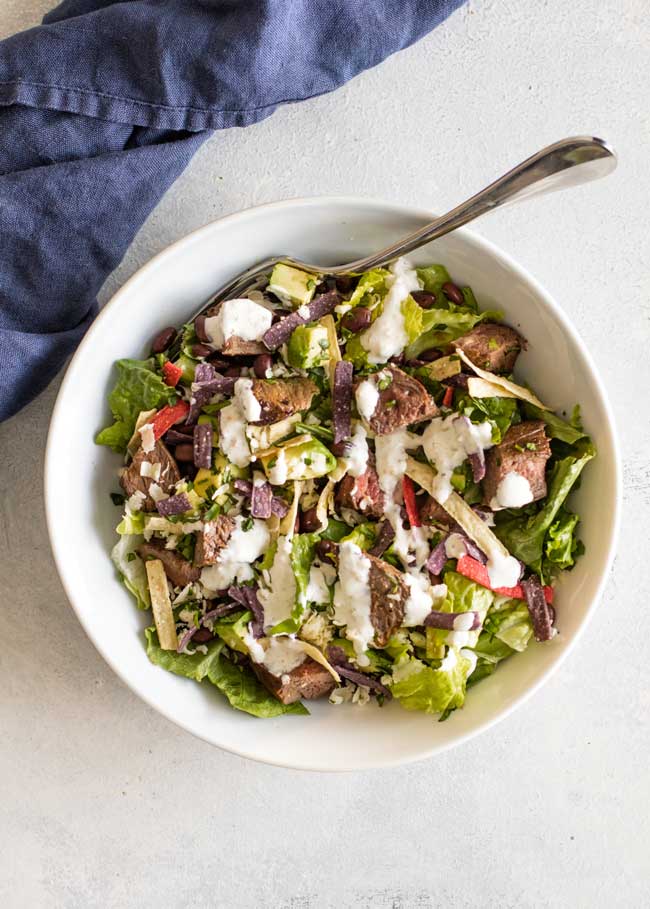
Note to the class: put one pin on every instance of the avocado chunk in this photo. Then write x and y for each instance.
(292, 285)
(308, 347)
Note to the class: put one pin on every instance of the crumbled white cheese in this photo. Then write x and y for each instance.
(243, 318)
(304, 312)
(513, 491)
(366, 397)
(147, 436)
(283, 654)
(278, 473)
(136, 500)
(387, 336)
(150, 470)
(352, 599)
(157, 493)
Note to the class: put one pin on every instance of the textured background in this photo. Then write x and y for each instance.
(104, 803)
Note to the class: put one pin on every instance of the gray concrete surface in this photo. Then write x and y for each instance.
(106, 804)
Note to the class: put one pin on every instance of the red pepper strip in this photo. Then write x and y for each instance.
(166, 418)
(448, 398)
(408, 490)
(171, 373)
(477, 572)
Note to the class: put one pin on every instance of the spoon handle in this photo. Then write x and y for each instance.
(569, 162)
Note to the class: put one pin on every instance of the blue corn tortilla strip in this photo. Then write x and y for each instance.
(279, 334)
(342, 400)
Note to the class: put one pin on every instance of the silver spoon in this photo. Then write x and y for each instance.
(569, 162)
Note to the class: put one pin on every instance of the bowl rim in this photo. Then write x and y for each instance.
(386, 207)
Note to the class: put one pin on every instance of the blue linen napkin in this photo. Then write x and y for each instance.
(102, 107)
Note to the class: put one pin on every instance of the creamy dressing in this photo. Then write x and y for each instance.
(283, 654)
(317, 589)
(234, 560)
(241, 318)
(387, 336)
(244, 399)
(419, 602)
(391, 456)
(356, 459)
(471, 657)
(304, 312)
(366, 397)
(449, 661)
(352, 599)
(512, 492)
(278, 473)
(503, 571)
(447, 442)
(232, 435)
(278, 594)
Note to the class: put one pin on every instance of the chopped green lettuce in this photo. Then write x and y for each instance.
(138, 388)
(236, 683)
(371, 288)
(556, 427)
(364, 535)
(233, 628)
(301, 558)
(131, 568)
(462, 595)
(501, 413)
(562, 547)
(131, 523)
(524, 536)
(490, 651)
(433, 277)
(420, 687)
(444, 325)
(511, 624)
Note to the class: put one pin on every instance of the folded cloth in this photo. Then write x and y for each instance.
(102, 107)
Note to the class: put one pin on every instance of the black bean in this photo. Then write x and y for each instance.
(357, 319)
(199, 328)
(163, 340)
(424, 299)
(398, 359)
(309, 521)
(429, 355)
(233, 372)
(200, 350)
(184, 452)
(326, 550)
(218, 362)
(202, 636)
(453, 292)
(341, 449)
(261, 363)
(345, 283)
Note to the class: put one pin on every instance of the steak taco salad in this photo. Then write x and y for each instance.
(335, 488)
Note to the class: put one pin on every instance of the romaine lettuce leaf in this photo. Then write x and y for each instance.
(524, 535)
(233, 628)
(301, 558)
(420, 687)
(490, 651)
(237, 683)
(131, 568)
(132, 523)
(462, 595)
(138, 388)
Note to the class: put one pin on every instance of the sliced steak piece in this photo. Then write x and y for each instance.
(523, 450)
(238, 347)
(179, 571)
(491, 346)
(388, 596)
(212, 539)
(363, 493)
(432, 512)
(280, 398)
(309, 680)
(404, 400)
(131, 481)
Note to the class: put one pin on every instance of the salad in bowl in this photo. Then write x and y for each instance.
(335, 488)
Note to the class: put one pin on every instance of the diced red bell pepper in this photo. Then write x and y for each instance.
(408, 491)
(448, 398)
(166, 418)
(171, 373)
(475, 571)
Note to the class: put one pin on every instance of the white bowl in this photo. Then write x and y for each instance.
(79, 476)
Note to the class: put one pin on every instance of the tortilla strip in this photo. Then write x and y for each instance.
(517, 391)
